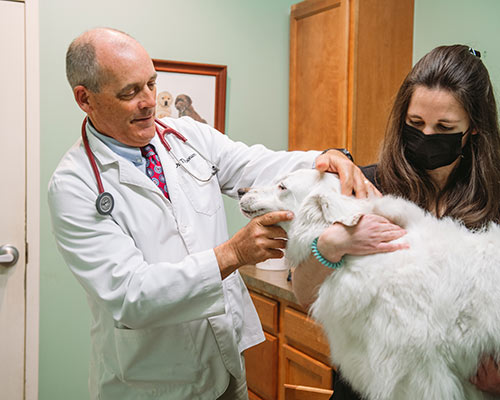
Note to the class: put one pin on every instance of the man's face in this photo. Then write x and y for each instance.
(124, 108)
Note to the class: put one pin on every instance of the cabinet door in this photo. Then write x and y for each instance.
(253, 396)
(383, 56)
(300, 369)
(268, 312)
(305, 335)
(318, 74)
(262, 368)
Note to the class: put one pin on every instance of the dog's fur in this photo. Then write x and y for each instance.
(407, 325)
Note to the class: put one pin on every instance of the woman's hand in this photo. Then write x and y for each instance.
(372, 234)
(487, 378)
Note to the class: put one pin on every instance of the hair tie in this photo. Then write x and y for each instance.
(476, 53)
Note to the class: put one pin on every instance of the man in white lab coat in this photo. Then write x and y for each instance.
(170, 313)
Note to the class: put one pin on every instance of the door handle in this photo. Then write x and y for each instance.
(8, 255)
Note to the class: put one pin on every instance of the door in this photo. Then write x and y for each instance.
(12, 200)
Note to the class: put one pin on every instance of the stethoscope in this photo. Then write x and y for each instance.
(105, 201)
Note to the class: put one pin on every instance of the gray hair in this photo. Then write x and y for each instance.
(82, 67)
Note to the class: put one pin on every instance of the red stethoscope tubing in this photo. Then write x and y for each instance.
(91, 157)
(105, 201)
(161, 135)
(166, 130)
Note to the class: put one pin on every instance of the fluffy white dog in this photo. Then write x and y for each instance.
(407, 325)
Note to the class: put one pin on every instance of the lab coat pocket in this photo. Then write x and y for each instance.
(156, 356)
(235, 301)
(204, 196)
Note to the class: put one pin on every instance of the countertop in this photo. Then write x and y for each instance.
(268, 282)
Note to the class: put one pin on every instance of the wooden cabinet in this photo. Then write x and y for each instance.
(301, 369)
(262, 364)
(347, 61)
(295, 350)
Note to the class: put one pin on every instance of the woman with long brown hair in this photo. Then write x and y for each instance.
(441, 151)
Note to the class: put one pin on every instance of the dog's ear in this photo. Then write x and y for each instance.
(308, 224)
(335, 207)
(316, 213)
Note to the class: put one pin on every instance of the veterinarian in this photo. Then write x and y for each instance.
(171, 316)
(442, 151)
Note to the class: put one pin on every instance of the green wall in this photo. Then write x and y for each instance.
(251, 38)
(475, 23)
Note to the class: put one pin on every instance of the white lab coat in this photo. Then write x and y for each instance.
(164, 324)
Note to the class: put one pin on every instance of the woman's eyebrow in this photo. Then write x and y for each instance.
(449, 121)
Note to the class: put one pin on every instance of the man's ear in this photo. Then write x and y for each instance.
(82, 97)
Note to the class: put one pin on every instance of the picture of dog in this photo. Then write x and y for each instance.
(184, 106)
(408, 325)
(163, 102)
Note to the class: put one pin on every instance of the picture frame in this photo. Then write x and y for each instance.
(193, 89)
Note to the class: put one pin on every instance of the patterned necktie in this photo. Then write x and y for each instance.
(154, 169)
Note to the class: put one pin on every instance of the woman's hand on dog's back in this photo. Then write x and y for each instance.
(372, 234)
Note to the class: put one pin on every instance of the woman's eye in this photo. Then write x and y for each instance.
(445, 128)
(416, 123)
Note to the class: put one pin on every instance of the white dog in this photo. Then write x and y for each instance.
(407, 325)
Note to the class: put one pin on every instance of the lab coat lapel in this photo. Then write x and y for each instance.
(128, 173)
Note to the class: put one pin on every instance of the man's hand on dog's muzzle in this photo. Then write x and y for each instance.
(258, 241)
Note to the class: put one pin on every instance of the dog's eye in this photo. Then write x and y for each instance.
(282, 187)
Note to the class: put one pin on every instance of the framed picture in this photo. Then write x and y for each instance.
(192, 89)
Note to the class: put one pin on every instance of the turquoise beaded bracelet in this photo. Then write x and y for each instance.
(323, 260)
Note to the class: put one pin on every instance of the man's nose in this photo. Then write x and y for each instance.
(148, 99)
(242, 191)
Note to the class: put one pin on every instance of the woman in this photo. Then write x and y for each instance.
(441, 151)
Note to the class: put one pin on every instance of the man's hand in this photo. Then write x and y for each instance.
(258, 241)
(352, 179)
(487, 378)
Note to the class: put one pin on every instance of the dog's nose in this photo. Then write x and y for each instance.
(242, 191)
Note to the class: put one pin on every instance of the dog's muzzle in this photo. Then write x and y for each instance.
(242, 192)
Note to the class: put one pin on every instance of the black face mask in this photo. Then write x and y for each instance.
(431, 151)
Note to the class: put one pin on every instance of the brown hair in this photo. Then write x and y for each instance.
(472, 193)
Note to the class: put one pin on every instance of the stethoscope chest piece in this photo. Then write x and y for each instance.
(104, 203)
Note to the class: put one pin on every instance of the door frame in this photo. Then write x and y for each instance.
(32, 330)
